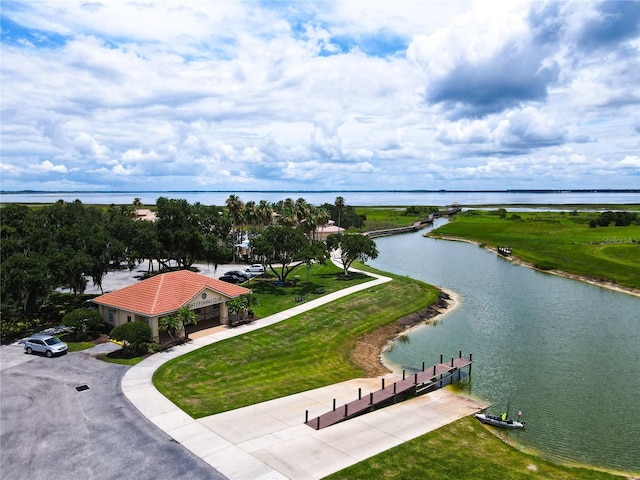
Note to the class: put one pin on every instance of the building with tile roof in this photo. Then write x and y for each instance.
(159, 296)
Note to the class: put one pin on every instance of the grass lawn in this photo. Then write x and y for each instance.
(380, 218)
(461, 450)
(557, 240)
(308, 282)
(305, 352)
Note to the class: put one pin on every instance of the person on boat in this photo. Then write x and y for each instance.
(504, 417)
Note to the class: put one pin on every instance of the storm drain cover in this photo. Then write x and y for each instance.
(81, 388)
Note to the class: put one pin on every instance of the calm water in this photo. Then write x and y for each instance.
(565, 353)
(393, 198)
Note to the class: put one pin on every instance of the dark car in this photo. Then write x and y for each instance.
(240, 274)
(231, 278)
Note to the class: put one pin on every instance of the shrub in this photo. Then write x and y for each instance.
(84, 321)
(132, 334)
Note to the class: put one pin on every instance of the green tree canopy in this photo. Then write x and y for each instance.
(282, 248)
(352, 247)
(83, 320)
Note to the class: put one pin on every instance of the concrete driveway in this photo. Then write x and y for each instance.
(50, 430)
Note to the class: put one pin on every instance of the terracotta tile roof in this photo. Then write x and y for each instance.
(166, 292)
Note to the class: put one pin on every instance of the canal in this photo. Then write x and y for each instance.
(565, 353)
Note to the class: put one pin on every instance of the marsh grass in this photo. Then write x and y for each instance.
(557, 240)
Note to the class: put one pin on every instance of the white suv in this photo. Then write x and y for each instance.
(47, 344)
(255, 269)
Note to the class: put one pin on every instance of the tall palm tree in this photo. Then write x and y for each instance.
(287, 213)
(339, 203)
(322, 218)
(265, 213)
(235, 207)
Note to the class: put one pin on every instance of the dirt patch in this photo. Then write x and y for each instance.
(104, 338)
(368, 349)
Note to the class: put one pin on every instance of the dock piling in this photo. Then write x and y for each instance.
(423, 381)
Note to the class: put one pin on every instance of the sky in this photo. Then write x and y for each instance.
(153, 95)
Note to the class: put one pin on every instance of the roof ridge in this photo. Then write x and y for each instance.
(157, 293)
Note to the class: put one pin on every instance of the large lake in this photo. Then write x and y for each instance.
(354, 198)
(565, 353)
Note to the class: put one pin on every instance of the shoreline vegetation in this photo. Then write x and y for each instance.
(560, 273)
(599, 248)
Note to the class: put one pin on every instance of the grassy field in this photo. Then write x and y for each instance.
(461, 450)
(557, 241)
(380, 218)
(305, 352)
(308, 282)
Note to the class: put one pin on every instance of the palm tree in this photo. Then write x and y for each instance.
(186, 316)
(339, 203)
(265, 213)
(322, 218)
(235, 206)
(287, 211)
(170, 324)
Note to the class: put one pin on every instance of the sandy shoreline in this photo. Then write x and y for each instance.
(369, 351)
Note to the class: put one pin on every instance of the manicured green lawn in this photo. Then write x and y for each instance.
(461, 450)
(555, 240)
(273, 299)
(305, 352)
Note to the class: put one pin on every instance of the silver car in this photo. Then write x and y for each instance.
(47, 344)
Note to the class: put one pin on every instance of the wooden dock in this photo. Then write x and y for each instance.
(413, 384)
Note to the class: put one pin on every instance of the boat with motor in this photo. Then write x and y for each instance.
(502, 422)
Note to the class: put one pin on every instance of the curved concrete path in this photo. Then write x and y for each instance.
(269, 440)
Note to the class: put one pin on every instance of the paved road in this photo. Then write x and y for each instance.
(50, 431)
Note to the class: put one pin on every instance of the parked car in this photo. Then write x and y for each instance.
(240, 274)
(47, 344)
(255, 269)
(232, 278)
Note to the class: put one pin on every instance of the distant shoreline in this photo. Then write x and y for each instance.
(515, 190)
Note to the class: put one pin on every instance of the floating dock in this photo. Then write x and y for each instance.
(413, 384)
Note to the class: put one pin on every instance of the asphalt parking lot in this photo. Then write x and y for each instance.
(51, 430)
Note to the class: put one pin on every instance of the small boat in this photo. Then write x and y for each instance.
(498, 421)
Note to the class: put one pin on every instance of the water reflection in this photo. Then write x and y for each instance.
(565, 353)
